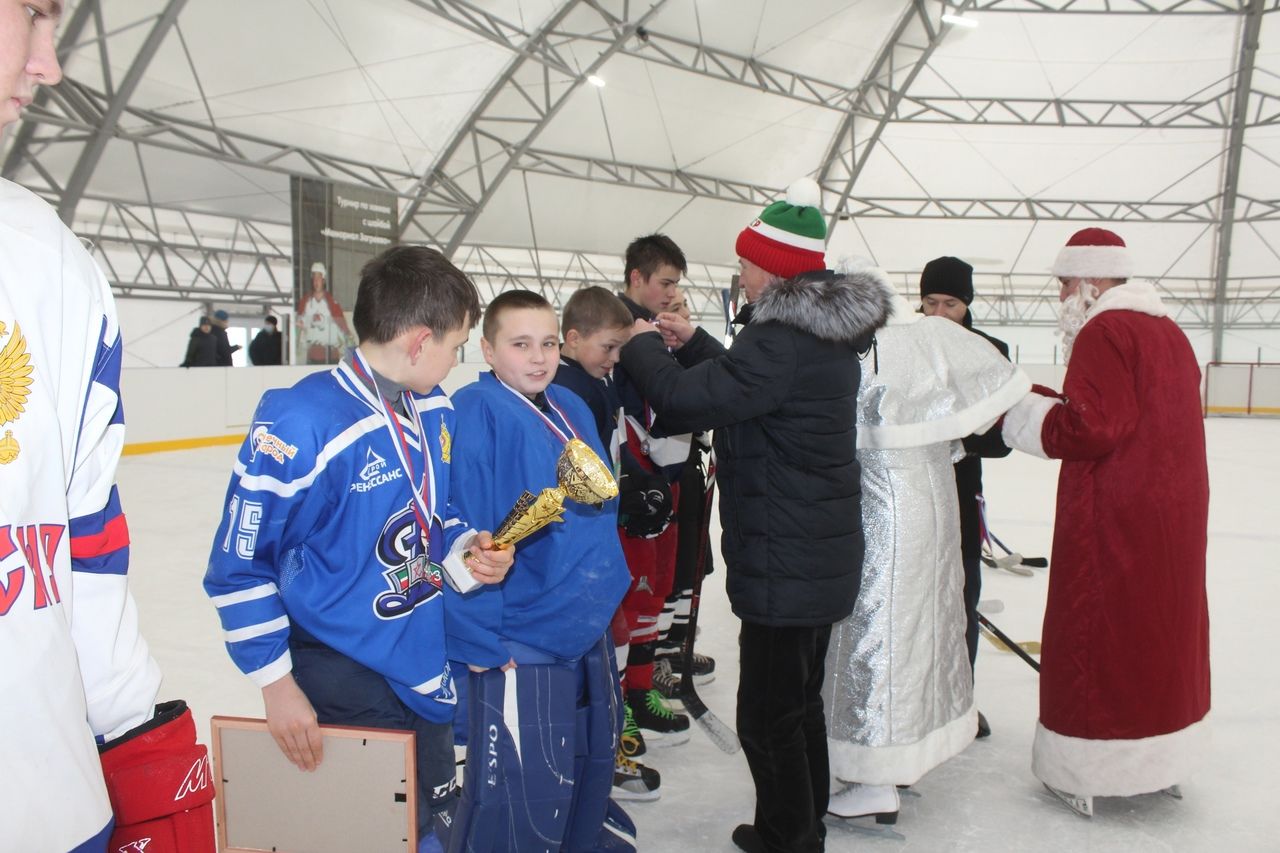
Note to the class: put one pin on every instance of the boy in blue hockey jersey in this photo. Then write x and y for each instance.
(543, 700)
(339, 533)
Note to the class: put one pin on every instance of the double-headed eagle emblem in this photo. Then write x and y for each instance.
(15, 387)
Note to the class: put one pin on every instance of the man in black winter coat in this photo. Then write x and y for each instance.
(202, 347)
(265, 348)
(946, 290)
(782, 403)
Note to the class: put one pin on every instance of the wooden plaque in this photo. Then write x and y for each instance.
(361, 797)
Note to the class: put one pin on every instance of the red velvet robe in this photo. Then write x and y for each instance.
(1124, 684)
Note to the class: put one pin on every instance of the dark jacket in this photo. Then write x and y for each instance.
(989, 445)
(223, 345)
(202, 349)
(265, 348)
(782, 401)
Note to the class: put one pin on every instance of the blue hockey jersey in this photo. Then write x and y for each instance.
(568, 578)
(320, 530)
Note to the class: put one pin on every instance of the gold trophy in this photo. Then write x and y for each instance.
(581, 476)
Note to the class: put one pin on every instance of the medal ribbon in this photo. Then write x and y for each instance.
(421, 494)
(550, 424)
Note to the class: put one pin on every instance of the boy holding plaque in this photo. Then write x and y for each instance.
(544, 707)
(339, 532)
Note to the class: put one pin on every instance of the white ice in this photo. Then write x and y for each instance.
(985, 799)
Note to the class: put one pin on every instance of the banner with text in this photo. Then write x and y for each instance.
(336, 229)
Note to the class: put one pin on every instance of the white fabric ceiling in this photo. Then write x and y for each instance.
(389, 82)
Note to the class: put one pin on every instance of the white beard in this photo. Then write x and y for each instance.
(1074, 313)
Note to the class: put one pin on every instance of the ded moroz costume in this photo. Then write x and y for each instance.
(1124, 683)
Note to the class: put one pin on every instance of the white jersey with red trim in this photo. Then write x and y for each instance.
(72, 663)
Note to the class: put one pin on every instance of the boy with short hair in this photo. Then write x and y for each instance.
(596, 325)
(542, 695)
(328, 567)
(652, 458)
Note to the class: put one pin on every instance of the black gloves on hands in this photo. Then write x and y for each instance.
(644, 504)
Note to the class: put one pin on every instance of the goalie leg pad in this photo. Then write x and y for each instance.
(161, 785)
(519, 782)
(599, 718)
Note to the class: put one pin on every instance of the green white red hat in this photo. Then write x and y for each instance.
(1094, 253)
(789, 237)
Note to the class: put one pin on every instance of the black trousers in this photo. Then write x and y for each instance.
(972, 591)
(784, 733)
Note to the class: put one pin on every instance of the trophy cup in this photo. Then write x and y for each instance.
(581, 477)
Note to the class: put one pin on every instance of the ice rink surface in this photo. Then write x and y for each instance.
(985, 799)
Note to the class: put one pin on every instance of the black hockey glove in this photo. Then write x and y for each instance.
(644, 504)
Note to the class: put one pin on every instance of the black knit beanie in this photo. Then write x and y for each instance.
(948, 275)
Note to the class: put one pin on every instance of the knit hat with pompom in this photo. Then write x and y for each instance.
(788, 237)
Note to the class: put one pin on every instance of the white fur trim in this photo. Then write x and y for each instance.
(978, 418)
(1025, 421)
(903, 312)
(1117, 768)
(1093, 262)
(905, 763)
(1140, 296)
(786, 238)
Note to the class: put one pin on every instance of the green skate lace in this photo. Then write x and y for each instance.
(629, 727)
(657, 705)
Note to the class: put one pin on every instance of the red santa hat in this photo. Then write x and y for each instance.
(1094, 253)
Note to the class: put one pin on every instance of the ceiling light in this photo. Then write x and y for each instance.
(958, 21)
(596, 80)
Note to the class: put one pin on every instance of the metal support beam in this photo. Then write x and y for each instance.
(904, 54)
(1212, 112)
(172, 253)
(1252, 26)
(709, 61)
(150, 129)
(518, 106)
(1124, 7)
(79, 180)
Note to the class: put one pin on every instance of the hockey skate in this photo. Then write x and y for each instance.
(667, 682)
(857, 800)
(635, 782)
(631, 741)
(1081, 805)
(660, 725)
(704, 668)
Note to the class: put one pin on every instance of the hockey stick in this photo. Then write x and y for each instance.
(1011, 563)
(721, 735)
(1013, 647)
(1013, 558)
(1034, 562)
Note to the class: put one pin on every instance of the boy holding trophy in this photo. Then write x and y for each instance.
(339, 533)
(544, 709)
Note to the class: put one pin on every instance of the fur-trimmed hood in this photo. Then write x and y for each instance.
(835, 306)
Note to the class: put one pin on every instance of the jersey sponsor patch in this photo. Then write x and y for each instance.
(375, 473)
(273, 446)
